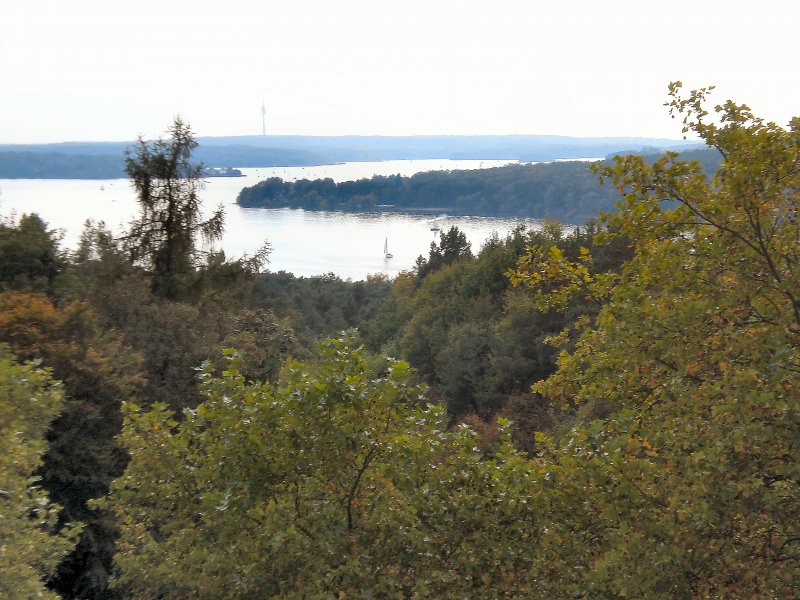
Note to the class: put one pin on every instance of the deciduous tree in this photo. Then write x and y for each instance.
(682, 477)
(30, 546)
(333, 484)
(98, 372)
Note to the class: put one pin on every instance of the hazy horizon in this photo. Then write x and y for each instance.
(87, 70)
(268, 137)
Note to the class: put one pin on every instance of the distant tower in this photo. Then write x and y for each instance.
(263, 118)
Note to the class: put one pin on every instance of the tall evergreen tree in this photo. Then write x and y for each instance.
(164, 236)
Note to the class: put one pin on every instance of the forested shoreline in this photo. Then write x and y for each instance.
(608, 411)
(566, 191)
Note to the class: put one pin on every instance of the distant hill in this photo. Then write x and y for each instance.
(525, 148)
(54, 165)
(103, 160)
(93, 160)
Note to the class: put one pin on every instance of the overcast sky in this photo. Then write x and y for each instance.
(111, 70)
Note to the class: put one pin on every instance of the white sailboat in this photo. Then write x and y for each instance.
(435, 226)
(386, 252)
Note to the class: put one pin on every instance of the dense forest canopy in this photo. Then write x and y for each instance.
(609, 412)
(567, 191)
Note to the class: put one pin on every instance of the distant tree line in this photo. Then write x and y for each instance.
(53, 165)
(107, 160)
(709, 159)
(567, 191)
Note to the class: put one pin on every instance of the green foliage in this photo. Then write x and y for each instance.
(82, 458)
(453, 246)
(99, 260)
(550, 269)
(173, 337)
(29, 255)
(438, 305)
(479, 343)
(707, 157)
(164, 237)
(153, 356)
(31, 545)
(331, 485)
(670, 463)
(462, 364)
(318, 307)
(222, 281)
(562, 190)
(685, 455)
(55, 165)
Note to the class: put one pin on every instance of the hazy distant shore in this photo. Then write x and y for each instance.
(105, 160)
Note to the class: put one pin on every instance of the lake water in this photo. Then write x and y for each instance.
(303, 242)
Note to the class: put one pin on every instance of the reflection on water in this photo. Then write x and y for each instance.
(303, 242)
(351, 245)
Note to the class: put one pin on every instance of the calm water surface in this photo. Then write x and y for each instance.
(303, 242)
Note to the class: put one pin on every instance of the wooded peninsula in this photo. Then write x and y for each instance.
(565, 191)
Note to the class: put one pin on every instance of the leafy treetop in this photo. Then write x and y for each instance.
(164, 237)
(686, 446)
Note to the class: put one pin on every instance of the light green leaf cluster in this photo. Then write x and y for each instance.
(331, 485)
(556, 279)
(30, 550)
